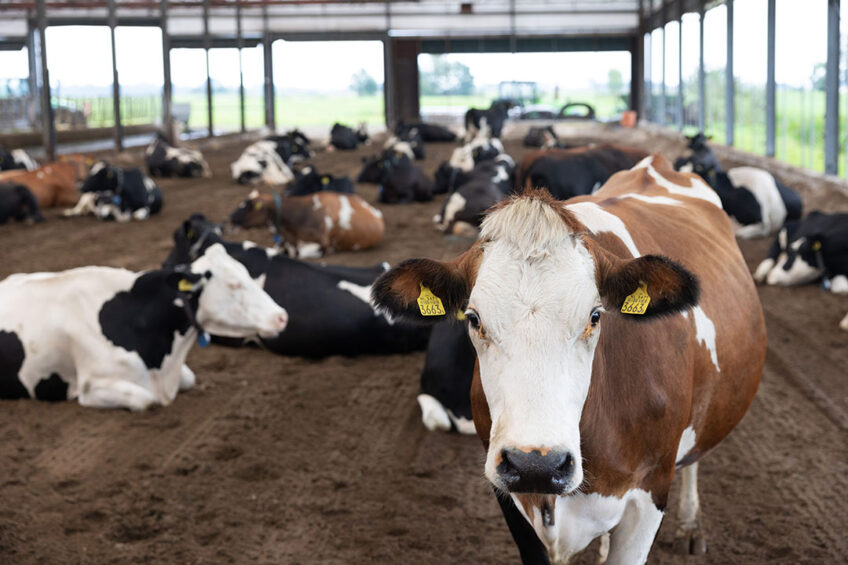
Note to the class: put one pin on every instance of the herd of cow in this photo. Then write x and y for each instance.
(602, 333)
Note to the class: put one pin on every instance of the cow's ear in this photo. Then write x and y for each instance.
(647, 286)
(425, 290)
(183, 281)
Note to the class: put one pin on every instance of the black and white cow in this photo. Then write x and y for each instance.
(261, 162)
(478, 149)
(292, 147)
(542, 138)
(112, 338)
(399, 178)
(475, 192)
(486, 123)
(166, 160)
(308, 181)
(346, 138)
(410, 144)
(329, 307)
(117, 193)
(759, 202)
(444, 396)
(16, 159)
(808, 250)
(18, 203)
(430, 133)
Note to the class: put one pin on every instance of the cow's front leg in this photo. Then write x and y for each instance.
(187, 378)
(114, 393)
(84, 205)
(689, 538)
(631, 540)
(752, 231)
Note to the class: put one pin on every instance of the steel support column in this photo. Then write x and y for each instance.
(48, 125)
(770, 80)
(729, 89)
(702, 98)
(638, 99)
(116, 86)
(206, 45)
(389, 111)
(167, 91)
(661, 120)
(680, 68)
(240, 43)
(270, 115)
(831, 137)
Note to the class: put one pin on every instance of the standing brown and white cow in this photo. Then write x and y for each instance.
(313, 225)
(619, 338)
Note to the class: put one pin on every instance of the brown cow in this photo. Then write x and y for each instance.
(574, 172)
(313, 225)
(619, 338)
(52, 185)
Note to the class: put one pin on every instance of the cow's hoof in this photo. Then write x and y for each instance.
(690, 542)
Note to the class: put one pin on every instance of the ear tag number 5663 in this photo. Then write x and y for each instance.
(428, 303)
(637, 303)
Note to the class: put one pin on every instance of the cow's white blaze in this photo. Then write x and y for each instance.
(534, 295)
(232, 304)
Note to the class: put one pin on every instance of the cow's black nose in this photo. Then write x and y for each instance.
(542, 471)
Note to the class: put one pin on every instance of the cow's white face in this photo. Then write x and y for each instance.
(534, 320)
(232, 304)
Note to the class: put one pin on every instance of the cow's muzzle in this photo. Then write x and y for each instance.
(537, 470)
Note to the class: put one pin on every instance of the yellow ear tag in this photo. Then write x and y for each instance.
(185, 285)
(190, 233)
(429, 303)
(460, 315)
(257, 205)
(325, 180)
(637, 303)
(817, 246)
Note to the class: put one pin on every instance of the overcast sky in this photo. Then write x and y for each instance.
(82, 56)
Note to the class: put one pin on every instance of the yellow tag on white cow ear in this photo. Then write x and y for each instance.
(637, 303)
(325, 180)
(185, 285)
(817, 246)
(428, 303)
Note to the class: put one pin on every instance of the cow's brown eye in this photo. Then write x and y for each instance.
(473, 319)
(594, 318)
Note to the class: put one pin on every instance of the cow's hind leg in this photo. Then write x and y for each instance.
(689, 538)
(632, 538)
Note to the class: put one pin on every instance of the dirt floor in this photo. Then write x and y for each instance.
(285, 460)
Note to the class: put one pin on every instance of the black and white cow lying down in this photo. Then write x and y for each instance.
(346, 138)
(16, 159)
(268, 161)
(18, 203)
(808, 250)
(117, 193)
(309, 181)
(400, 180)
(68, 335)
(759, 202)
(430, 133)
(472, 193)
(329, 307)
(166, 160)
(444, 396)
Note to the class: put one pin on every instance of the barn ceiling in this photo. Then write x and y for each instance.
(320, 18)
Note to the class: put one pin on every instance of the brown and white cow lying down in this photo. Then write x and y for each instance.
(52, 185)
(587, 396)
(313, 225)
